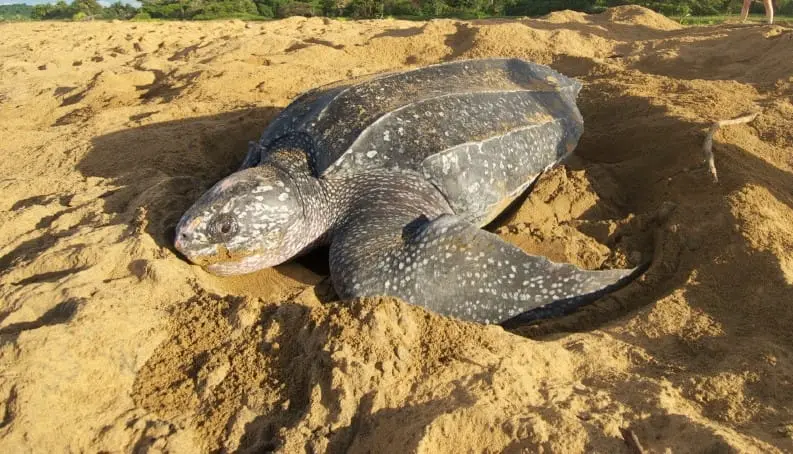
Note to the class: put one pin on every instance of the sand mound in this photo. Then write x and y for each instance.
(639, 15)
(566, 17)
(110, 342)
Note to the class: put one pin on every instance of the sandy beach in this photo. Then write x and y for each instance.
(110, 342)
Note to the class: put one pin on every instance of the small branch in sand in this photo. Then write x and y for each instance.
(707, 146)
(634, 446)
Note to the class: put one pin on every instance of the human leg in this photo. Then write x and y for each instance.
(745, 10)
(769, 10)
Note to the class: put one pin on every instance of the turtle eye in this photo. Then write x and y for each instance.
(224, 226)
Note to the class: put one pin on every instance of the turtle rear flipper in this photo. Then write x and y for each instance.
(453, 268)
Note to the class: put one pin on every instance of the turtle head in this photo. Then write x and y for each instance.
(250, 220)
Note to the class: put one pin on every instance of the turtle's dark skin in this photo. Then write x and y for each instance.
(398, 173)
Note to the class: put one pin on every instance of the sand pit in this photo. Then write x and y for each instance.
(110, 343)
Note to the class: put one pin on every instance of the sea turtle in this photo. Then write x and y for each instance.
(397, 173)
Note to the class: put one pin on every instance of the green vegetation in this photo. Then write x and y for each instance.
(15, 12)
(720, 18)
(82, 10)
(687, 11)
(424, 9)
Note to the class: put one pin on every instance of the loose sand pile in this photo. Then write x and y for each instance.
(110, 343)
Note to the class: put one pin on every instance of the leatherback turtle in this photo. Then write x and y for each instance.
(397, 173)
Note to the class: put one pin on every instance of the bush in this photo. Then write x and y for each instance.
(295, 9)
(207, 9)
(167, 11)
(434, 8)
(141, 16)
(416, 9)
(364, 8)
(87, 7)
(16, 12)
(707, 7)
(265, 10)
(784, 7)
(674, 10)
(227, 8)
(59, 10)
(402, 8)
(119, 10)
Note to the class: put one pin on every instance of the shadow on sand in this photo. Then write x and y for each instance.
(160, 169)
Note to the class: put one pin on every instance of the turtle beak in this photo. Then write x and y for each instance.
(184, 236)
(181, 242)
(178, 242)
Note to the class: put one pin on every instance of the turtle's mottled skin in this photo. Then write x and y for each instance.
(398, 173)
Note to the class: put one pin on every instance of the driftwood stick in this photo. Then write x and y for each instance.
(707, 146)
(634, 446)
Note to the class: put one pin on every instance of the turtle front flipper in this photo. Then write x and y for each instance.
(453, 268)
(252, 157)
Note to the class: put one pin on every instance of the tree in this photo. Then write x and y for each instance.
(225, 8)
(297, 9)
(265, 10)
(87, 7)
(334, 7)
(211, 9)
(434, 8)
(784, 7)
(16, 12)
(362, 8)
(119, 10)
(166, 9)
(59, 10)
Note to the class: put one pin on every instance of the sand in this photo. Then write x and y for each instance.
(109, 342)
